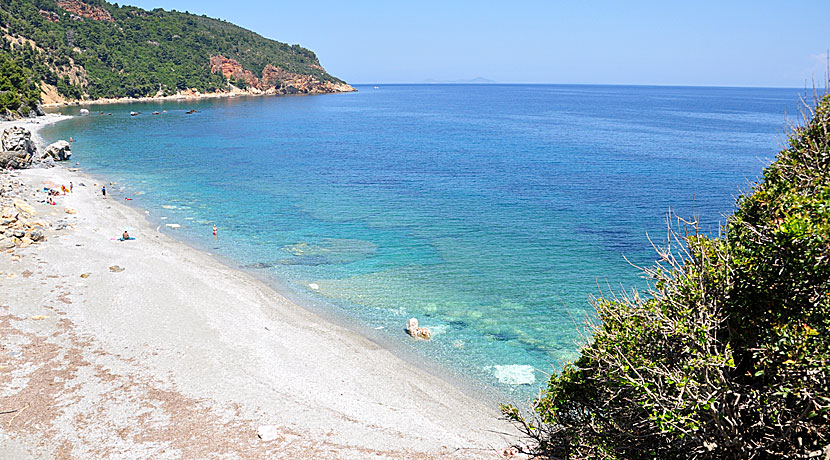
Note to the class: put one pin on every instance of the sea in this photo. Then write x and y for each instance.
(491, 213)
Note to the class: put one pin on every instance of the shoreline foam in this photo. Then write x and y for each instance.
(177, 327)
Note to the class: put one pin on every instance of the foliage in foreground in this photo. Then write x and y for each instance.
(726, 357)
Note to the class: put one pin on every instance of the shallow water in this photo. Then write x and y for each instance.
(491, 213)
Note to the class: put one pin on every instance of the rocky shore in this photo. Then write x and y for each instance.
(148, 348)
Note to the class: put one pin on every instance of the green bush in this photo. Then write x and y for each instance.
(726, 356)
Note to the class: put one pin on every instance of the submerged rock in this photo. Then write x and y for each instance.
(515, 374)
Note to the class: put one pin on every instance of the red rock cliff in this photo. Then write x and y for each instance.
(275, 80)
(85, 11)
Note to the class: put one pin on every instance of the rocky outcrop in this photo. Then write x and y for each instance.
(276, 80)
(414, 330)
(50, 16)
(59, 151)
(229, 68)
(18, 149)
(83, 10)
(16, 139)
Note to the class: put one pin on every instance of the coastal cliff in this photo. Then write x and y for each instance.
(275, 80)
(67, 51)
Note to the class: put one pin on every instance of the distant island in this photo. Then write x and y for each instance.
(59, 51)
(469, 80)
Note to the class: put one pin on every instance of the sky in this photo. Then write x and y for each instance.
(700, 43)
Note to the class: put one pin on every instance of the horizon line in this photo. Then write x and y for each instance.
(668, 85)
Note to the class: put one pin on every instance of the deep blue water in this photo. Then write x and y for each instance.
(491, 213)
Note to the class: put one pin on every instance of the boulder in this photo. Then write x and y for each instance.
(6, 243)
(15, 160)
(59, 151)
(26, 112)
(17, 139)
(24, 207)
(414, 330)
(17, 150)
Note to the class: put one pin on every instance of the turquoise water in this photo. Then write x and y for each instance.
(490, 213)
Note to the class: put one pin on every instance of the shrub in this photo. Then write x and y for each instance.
(726, 355)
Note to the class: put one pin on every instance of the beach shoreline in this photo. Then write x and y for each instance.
(179, 97)
(172, 332)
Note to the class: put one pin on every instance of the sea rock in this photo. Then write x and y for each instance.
(36, 236)
(6, 243)
(414, 330)
(83, 112)
(59, 151)
(24, 242)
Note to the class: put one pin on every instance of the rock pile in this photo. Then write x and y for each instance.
(17, 150)
(19, 225)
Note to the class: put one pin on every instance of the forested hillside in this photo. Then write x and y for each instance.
(94, 49)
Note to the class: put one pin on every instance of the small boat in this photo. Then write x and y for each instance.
(132, 114)
(192, 111)
(156, 113)
(376, 87)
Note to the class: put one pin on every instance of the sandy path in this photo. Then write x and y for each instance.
(179, 356)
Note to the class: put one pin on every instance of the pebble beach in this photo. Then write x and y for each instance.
(149, 348)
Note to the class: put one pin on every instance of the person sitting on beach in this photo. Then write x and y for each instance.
(125, 236)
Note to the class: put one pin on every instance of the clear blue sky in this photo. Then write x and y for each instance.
(733, 43)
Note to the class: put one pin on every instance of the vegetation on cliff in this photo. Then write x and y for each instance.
(19, 84)
(95, 49)
(728, 354)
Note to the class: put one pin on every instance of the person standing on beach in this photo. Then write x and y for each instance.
(104, 191)
(70, 187)
(214, 231)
